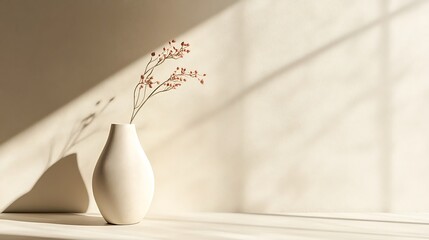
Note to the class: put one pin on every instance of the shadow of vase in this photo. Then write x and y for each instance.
(60, 189)
(23, 237)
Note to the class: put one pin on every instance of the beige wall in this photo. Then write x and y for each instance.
(308, 106)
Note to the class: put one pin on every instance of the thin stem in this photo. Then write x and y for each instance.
(169, 53)
(144, 95)
(147, 65)
(134, 99)
(150, 95)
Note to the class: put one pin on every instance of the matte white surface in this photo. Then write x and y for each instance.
(123, 180)
(219, 226)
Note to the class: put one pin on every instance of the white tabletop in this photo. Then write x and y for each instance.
(219, 226)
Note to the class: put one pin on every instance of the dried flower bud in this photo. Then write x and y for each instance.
(177, 77)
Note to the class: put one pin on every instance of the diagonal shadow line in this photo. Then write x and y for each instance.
(339, 115)
(315, 230)
(340, 218)
(335, 119)
(90, 14)
(271, 77)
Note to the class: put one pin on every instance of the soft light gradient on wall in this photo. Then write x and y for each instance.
(308, 105)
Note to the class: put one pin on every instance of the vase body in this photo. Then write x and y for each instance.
(123, 180)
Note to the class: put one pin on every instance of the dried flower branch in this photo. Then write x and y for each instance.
(148, 86)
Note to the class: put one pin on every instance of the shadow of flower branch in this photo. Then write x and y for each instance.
(80, 126)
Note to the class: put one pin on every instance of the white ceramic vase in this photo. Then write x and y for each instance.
(123, 181)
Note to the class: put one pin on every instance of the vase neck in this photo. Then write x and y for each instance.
(123, 131)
